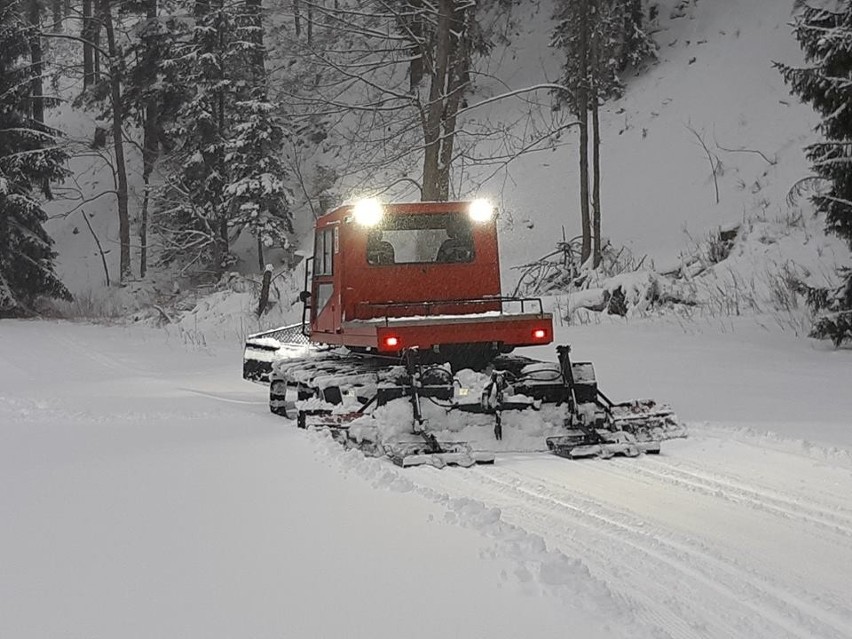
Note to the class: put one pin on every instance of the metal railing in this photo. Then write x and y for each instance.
(378, 310)
(290, 334)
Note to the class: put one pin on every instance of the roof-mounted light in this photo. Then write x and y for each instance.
(480, 210)
(368, 212)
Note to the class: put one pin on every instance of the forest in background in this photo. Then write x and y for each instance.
(243, 119)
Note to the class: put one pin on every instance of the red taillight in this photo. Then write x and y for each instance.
(539, 333)
(391, 341)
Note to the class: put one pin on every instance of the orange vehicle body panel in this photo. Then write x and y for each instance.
(422, 304)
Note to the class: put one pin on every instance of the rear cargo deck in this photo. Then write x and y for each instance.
(427, 331)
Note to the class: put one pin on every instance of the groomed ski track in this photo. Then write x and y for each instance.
(710, 539)
(723, 535)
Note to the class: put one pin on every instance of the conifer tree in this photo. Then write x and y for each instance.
(824, 31)
(257, 197)
(194, 225)
(30, 159)
(153, 90)
(228, 174)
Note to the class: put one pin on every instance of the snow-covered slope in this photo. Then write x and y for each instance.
(714, 76)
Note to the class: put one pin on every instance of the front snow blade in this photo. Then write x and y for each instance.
(408, 454)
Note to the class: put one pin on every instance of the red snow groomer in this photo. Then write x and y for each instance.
(400, 297)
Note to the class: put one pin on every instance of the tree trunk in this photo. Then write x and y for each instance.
(150, 151)
(415, 67)
(585, 218)
(224, 243)
(150, 133)
(56, 8)
(458, 76)
(258, 75)
(583, 115)
(143, 228)
(263, 299)
(36, 83)
(596, 138)
(88, 35)
(97, 23)
(211, 44)
(297, 19)
(118, 141)
(435, 108)
(596, 182)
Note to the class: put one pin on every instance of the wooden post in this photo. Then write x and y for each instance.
(264, 290)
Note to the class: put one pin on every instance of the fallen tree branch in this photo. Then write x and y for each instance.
(165, 315)
(98, 242)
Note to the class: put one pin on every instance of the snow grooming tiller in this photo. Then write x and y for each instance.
(407, 454)
(598, 427)
(409, 381)
(429, 451)
(336, 391)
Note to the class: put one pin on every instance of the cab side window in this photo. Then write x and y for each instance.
(324, 252)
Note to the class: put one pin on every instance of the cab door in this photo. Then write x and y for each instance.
(325, 289)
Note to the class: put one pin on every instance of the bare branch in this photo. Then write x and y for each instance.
(710, 158)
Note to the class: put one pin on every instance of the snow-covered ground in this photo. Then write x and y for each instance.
(148, 492)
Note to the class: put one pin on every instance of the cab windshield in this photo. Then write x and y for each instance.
(421, 238)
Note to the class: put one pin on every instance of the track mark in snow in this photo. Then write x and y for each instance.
(751, 590)
(99, 358)
(760, 499)
(635, 557)
(609, 557)
(222, 398)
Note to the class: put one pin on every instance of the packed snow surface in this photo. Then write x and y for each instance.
(148, 492)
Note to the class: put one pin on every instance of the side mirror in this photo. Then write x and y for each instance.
(304, 296)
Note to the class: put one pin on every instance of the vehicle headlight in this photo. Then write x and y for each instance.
(368, 212)
(480, 210)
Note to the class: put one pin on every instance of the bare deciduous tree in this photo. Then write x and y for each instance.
(383, 87)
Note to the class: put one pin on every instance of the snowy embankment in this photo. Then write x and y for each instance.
(148, 492)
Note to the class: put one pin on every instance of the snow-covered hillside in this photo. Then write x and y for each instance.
(714, 78)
